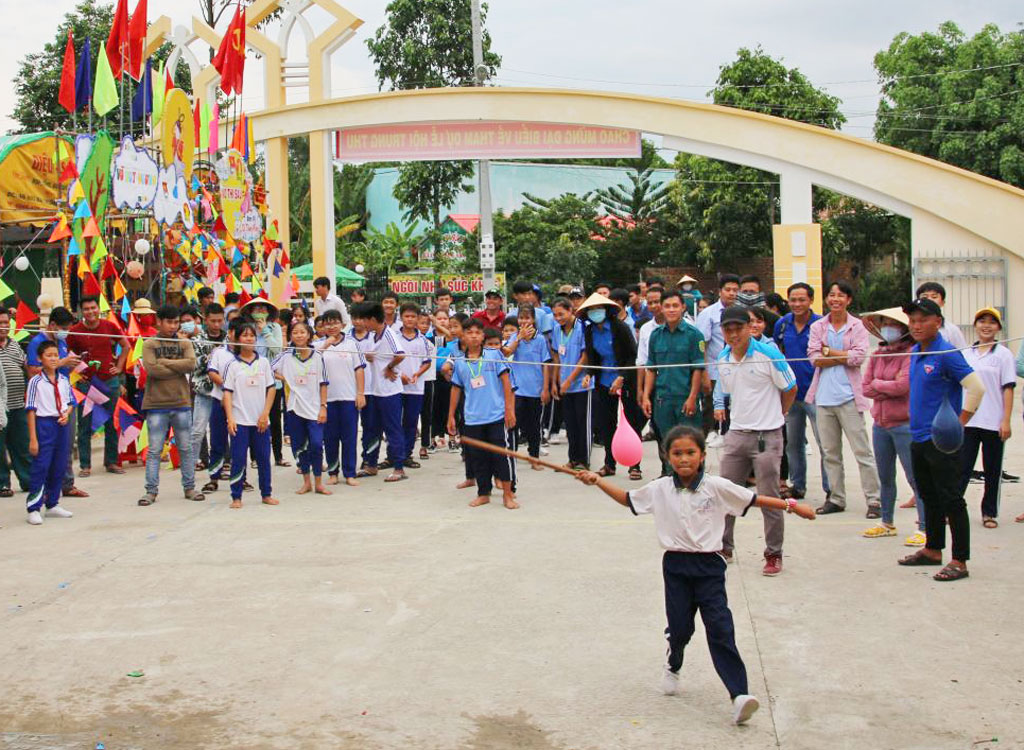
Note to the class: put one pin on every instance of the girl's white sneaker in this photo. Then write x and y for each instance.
(59, 512)
(744, 707)
(35, 518)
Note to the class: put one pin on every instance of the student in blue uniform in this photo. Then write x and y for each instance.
(249, 392)
(488, 411)
(302, 370)
(573, 385)
(48, 404)
(386, 355)
(690, 509)
(528, 348)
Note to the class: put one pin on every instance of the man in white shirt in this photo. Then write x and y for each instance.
(324, 301)
(644, 338)
(762, 389)
(950, 331)
(709, 324)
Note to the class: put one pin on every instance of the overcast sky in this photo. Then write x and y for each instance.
(658, 47)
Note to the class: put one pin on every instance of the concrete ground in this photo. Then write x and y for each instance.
(395, 616)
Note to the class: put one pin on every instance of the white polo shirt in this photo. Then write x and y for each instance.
(691, 518)
(41, 398)
(997, 369)
(366, 346)
(304, 378)
(332, 302)
(218, 362)
(753, 385)
(416, 353)
(248, 383)
(644, 341)
(952, 333)
(384, 350)
(342, 361)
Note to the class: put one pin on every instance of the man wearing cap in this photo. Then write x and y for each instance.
(492, 316)
(576, 296)
(938, 375)
(762, 388)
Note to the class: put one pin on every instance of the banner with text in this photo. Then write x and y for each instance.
(448, 141)
(411, 285)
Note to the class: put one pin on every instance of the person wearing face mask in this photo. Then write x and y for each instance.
(887, 382)
(750, 294)
(56, 330)
(691, 296)
(609, 343)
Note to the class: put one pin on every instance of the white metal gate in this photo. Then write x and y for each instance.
(972, 280)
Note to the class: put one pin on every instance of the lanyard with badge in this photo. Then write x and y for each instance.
(250, 372)
(306, 366)
(561, 342)
(477, 380)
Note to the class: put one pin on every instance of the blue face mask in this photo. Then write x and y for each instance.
(597, 315)
(188, 327)
(60, 335)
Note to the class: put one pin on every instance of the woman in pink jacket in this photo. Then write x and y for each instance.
(887, 381)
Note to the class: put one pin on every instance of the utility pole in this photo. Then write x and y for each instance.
(484, 166)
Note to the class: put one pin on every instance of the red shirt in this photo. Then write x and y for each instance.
(99, 348)
(490, 322)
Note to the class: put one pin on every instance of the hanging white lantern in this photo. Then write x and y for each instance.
(142, 246)
(359, 268)
(21, 263)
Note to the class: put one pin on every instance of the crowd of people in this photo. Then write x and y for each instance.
(233, 383)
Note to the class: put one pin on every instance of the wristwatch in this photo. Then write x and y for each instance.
(826, 351)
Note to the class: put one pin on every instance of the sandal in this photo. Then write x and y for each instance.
(990, 523)
(369, 471)
(395, 477)
(114, 469)
(147, 499)
(635, 474)
(918, 558)
(874, 512)
(6, 492)
(604, 471)
(424, 455)
(283, 463)
(952, 572)
(881, 530)
(411, 463)
(85, 473)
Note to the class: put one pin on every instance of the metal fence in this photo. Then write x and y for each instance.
(973, 279)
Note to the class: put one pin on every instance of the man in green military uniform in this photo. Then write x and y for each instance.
(670, 397)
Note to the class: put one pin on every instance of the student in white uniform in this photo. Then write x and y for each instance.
(365, 343)
(690, 509)
(217, 364)
(412, 370)
(429, 384)
(302, 370)
(48, 403)
(249, 391)
(346, 398)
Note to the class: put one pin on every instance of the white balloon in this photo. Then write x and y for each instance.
(359, 268)
(21, 263)
(142, 246)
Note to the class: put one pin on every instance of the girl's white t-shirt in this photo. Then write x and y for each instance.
(304, 378)
(248, 383)
(342, 361)
(218, 362)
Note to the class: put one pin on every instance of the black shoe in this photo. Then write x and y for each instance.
(385, 464)
(829, 507)
(1007, 477)
(210, 487)
(411, 463)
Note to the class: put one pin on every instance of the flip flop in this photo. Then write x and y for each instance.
(395, 477)
(918, 558)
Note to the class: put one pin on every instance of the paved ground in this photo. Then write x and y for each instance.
(402, 618)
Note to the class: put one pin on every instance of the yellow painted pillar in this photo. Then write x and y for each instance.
(797, 255)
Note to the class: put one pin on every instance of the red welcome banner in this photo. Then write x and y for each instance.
(449, 141)
(412, 285)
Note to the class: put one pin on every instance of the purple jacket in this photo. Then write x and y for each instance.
(855, 342)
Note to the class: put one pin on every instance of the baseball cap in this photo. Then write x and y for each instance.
(576, 292)
(735, 314)
(924, 305)
(493, 292)
(989, 311)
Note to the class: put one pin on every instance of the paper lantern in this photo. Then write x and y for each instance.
(142, 246)
(44, 301)
(21, 263)
(627, 449)
(134, 269)
(947, 432)
(359, 268)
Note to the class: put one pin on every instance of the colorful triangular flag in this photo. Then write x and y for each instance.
(83, 212)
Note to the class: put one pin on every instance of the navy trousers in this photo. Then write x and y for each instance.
(307, 436)
(412, 405)
(340, 435)
(387, 421)
(46, 477)
(696, 581)
(483, 465)
(246, 436)
(218, 439)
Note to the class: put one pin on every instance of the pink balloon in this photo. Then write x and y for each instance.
(627, 449)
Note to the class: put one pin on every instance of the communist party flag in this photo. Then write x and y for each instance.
(66, 97)
(230, 58)
(117, 42)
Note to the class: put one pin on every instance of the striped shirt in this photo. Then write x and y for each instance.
(12, 359)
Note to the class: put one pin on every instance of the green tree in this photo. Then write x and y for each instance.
(956, 99)
(37, 83)
(387, 251)
(720, 212)
(427, 44)
(554, 237)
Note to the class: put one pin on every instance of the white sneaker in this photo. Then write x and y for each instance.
(35, 518)
(544, 451)
(59, 512)
(555, 439)
(743, 707)
(670, 682)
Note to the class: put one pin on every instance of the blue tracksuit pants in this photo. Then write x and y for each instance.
(412, 405)
(260, 441)
(340, 435)
(47, 474)
(386, 420)
(307, 436)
